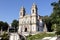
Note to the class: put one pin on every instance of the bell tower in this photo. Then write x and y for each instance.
(34, 9)
(22, 12)
(34, 17)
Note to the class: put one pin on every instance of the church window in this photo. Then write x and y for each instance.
(33, 11)
(21, 13)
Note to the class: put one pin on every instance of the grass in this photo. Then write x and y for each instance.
(39, 36)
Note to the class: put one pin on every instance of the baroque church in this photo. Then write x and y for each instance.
(31, 23)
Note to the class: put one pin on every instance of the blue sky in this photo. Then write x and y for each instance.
(9, 9)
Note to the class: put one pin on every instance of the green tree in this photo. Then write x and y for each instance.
(58, 29)
(5, 36)
(46, 20)
(15, 24)
(3, 26)
(55, 16)
(53, 27)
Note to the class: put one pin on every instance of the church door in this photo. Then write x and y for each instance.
(25, 29)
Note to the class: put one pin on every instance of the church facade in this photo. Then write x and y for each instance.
(30, 23)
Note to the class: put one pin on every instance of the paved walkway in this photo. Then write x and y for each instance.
(14, 36)
(49, 38)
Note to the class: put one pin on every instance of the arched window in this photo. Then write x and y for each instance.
(21, 13)
(33, 11)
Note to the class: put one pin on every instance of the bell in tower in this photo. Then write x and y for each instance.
(22, 11)
(34, 9)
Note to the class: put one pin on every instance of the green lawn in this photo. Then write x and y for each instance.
(39, 36)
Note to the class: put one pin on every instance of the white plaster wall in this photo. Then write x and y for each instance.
(33, 28)
(19, 29)
(14, 36)
(20, 21)
(29, 28)
(33, 20)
